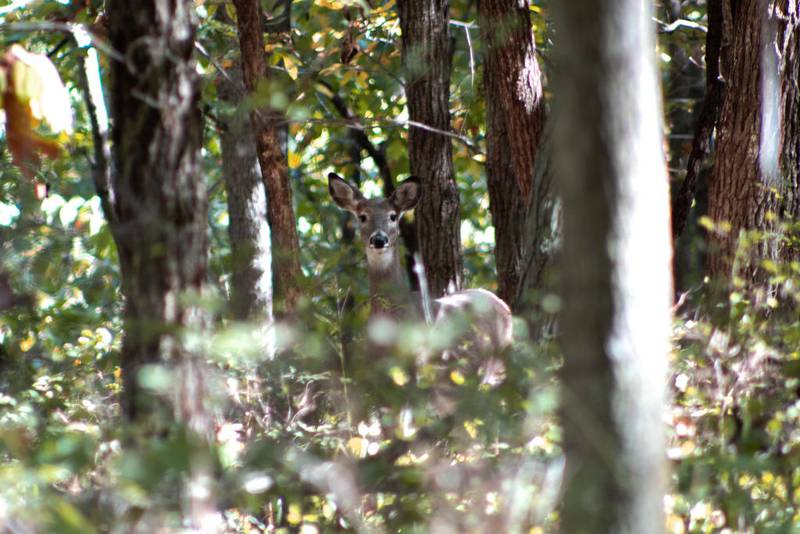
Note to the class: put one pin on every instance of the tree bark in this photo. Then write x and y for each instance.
(426, 59)
(251, 280)
(160, 205)
(270, 135)
(616, 285)
(515, 123)
(157, 215)
(756, 177)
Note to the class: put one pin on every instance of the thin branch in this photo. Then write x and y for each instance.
(75, 29)
(663, 27)
(91, 90)
(467, 26)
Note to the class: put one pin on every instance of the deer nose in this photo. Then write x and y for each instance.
(378, 240)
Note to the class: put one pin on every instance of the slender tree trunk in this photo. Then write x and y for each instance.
(515, 123)
(158, 212)
(426, 59)
(616, 283)
(756, 178)
(251, 282)
(270, 134)
(689, 262)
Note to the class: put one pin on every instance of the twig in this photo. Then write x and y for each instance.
(467, 26)
(677, 24)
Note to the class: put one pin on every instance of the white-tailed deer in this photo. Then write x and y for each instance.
(389, 291)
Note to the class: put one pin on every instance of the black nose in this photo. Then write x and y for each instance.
(378, 241)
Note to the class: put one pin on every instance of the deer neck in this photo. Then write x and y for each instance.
(388, 289)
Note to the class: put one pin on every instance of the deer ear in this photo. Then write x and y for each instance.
(345, 195)
(407, 194)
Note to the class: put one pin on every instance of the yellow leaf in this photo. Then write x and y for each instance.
(295, 514)
(457, 378)
(294, 160)
(27, 343)
(399, 376)
(290, 65)
(471, 428)
(357, 446)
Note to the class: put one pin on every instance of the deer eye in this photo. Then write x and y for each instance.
(362, 217)
(393, 216)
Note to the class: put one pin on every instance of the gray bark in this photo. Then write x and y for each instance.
(251, 280)
(270, 137)
(158, 216)
(616, 284)
(160, 205)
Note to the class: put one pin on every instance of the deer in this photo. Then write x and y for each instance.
(390, 295)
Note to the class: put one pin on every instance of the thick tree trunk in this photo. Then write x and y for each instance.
(270, 135)
(616, 285)
(756, 178)
(426, 58)
(160, 205)
(251, 280)
(515, 123)
(158, 216)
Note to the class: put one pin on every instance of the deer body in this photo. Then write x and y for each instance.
(390, 295)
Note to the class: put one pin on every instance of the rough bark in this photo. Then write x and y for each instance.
(426, 59)
(251, 280)
(160, 205)
(270, 136)
(515, 123)
(543, 232)
(756, 174)
(616, 286)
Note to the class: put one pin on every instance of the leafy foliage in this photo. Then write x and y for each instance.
(327, 436)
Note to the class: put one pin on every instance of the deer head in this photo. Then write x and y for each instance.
(379, 229)
(379, 218)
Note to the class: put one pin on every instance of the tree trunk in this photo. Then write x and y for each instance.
(426, 59)
(270, 135)
(756, 172)
(616, 286)
(158, 217)
(515, 123)
(160, 204)
(690, 258)
(251, 280)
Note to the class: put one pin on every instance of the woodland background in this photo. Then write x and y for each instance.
(169, 362)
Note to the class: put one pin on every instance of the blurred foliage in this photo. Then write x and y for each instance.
(327, 437)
